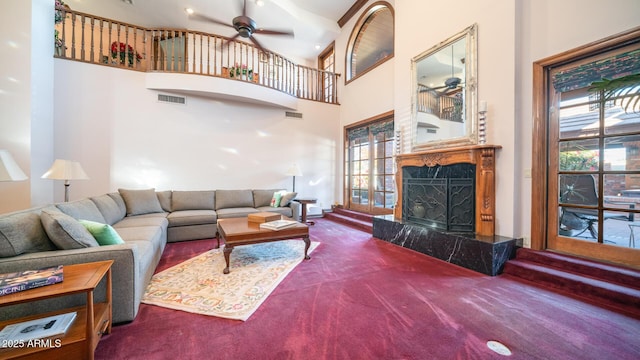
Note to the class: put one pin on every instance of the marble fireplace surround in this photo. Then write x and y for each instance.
(482, 251)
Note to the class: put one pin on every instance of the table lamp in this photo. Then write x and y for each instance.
(65, 170)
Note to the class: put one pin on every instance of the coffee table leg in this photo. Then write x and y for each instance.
(227, 253)
(307, 244)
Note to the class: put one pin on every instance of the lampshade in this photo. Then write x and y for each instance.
(65, 170)
(294, 170)
(9, 170)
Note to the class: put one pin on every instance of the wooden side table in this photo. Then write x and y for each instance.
(92, 320)
(304, 202)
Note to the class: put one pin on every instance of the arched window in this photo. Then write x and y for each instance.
(371, 42)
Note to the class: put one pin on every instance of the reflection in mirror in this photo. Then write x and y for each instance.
(444, 97)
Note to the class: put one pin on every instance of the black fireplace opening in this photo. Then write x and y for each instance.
(440, 197)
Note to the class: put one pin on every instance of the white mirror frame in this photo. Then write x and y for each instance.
(470, 136)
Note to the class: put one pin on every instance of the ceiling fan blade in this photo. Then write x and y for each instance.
(257, 43)
(229, 40)
(274, 32)
(199, 17)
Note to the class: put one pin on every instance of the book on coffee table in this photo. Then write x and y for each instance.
(278, 224)
(38, 328)
(29, 279)
(263, 217)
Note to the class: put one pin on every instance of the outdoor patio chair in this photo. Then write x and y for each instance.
(581, 190)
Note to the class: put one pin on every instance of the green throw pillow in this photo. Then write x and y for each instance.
(275, 200)
(105, 234)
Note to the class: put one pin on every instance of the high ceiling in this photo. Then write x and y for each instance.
(314, 22)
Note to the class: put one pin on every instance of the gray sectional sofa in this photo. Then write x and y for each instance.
(144, 220)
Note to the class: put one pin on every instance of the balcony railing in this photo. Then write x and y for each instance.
(88, 38)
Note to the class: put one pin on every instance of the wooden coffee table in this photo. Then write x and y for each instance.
(239, 231)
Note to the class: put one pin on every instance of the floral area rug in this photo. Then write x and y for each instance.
(199, 286)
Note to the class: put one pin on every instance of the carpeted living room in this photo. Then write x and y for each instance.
(359, 297)
(361, 179)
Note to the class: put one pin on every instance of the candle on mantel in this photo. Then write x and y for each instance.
(483, 106)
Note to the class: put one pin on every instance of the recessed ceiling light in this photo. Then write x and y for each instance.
(189, 11)
(317, 47)
(260, 2)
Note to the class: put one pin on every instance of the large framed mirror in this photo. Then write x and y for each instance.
(444, 104)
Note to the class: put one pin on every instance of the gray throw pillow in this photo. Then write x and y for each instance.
(66, 232)
(287, 197)
(140, 202)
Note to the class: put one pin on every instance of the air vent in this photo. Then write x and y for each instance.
(172, 99)
(292, 114)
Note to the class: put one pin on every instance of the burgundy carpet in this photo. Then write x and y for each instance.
(363, 298)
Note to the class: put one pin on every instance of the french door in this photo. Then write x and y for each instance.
(593, 162)
(369, 176)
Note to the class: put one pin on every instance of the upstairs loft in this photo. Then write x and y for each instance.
(230, 69)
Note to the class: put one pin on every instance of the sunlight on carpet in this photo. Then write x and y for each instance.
(199, 286)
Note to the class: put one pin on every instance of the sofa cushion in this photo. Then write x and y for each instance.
(192, 217)
(286, 211)
(103, 233)
(193, 200)
(155, 219)
(165, 199)
(235, 212)
(109, 209)
(82, 209)
(234, 199)
(65, 231)
(263, 197)
(119, 201)
(22, 232)
(140, 201)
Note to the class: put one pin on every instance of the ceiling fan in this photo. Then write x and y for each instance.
(450, 84)
(245, 26)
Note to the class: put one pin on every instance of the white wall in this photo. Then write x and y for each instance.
(125, 138)
(26, 98)
(546, 28)
(369, 95)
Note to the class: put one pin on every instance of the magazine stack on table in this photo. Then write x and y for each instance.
(29, 279)
(278, 224)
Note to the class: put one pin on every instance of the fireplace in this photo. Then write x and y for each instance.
(446, 208)
(440, 197)
(459, 181)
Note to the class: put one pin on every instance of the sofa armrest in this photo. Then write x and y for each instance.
(295, 209)
(124, 274)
